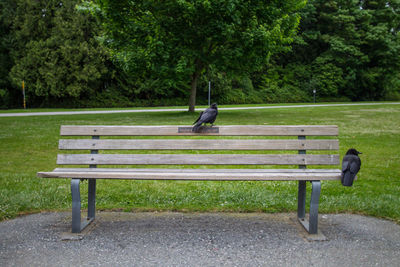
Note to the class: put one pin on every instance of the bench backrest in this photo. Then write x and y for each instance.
(198, 148)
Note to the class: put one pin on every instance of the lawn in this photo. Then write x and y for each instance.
(29, 145)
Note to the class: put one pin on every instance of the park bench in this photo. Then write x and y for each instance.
(288, 144)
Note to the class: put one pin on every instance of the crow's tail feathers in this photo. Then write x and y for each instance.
(196, 127)
(348, 178)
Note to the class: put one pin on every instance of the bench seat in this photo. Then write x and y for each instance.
(195, 174)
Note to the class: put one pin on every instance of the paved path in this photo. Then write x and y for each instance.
(198, 239)
(22, 114)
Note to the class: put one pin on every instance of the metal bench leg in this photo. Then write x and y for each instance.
(315, 193)
(312, 225)
(77, 225)
(92, 198)
(76, 206)
(301, 200)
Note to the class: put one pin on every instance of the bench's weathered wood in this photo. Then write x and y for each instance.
(57, 170)
(224, 175)
(197, 144)
(197, 159)
(191, 150)
(235, 130)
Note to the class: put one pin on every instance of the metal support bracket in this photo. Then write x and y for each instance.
(310, 225)
(77, 224)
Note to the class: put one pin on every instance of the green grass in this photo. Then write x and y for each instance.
(29, 145)
(170, 107)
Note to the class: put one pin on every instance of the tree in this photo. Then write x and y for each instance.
(345, 48)
(7, 38)
(171, 43)
(381, 45)
(56, 52)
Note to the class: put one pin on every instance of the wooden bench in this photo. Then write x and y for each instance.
(248, 138)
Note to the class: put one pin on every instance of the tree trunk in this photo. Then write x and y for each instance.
(193, 85)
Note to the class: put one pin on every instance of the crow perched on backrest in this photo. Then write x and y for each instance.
(350, 166)
(207, 116)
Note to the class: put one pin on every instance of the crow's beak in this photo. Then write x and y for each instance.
(359, 152)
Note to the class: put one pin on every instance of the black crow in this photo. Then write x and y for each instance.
(207, 116)
(350, 166)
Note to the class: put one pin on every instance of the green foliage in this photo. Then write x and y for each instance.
(53, 48)
(227, 89)
(4, 98)
(60, 47)
(103, 53)
(392, 88)
(7, 40)
(346, 48)
(165, 43)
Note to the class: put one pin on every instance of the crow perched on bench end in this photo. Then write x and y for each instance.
(207, 116)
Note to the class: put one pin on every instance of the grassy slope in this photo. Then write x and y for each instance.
(29, 144)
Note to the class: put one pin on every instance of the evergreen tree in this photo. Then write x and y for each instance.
(57, 54)
(7, 39)
(344, 48)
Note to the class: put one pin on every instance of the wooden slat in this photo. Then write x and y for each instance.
(228, 175)
(253, 130)
(196, 144)
(187, 170)
(197, 159)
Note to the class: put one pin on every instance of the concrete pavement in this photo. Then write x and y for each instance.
(198, 239)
